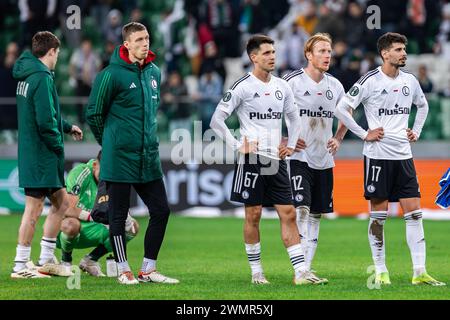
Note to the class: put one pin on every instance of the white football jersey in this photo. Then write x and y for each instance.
(260, 107)
(316, 103)
(387, 103)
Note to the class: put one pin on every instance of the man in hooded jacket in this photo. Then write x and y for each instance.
(40, 155)
(122, 115)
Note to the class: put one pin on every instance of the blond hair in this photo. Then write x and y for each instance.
(309, 45)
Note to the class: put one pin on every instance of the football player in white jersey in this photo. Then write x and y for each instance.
(387, 94)
(316, 94)
(260, 177)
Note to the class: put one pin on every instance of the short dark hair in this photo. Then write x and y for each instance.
(388, 39)
(256, 41)
(130, 28)
(42, 42)
(99, 155)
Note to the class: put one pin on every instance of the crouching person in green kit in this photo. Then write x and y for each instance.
(85, 225)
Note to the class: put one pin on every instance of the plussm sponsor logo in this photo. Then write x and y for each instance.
(316, 114)
(266, 116)
(393, 112)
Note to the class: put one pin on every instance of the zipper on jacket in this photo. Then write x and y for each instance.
(144, 155)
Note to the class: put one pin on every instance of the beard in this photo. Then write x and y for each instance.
(399, 64)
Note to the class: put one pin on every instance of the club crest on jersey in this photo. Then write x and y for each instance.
(371, 188)
(329, 95)
(154, 84)
(76, 189)
(354, 91)
(405, 91)
(226, 97)
(278, 95)
(298, 197)
(245, 194)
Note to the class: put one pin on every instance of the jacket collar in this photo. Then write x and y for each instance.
(123, 53)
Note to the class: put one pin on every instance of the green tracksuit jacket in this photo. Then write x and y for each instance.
(41, 128)
(122, 115)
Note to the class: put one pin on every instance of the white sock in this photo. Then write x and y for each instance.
(376, 239)
(313, 238)
(148, 265)
(416, 240)
(23, 254)
(254, 257)
(48, 246)
(302, 225)
(297, 257)
(123, 267)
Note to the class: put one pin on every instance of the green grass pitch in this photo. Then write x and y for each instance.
(208, 257)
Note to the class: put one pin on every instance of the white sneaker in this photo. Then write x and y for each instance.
(53, 267)
(259, 278)
(308, 277)
(155, 276)
(29, 272)
(127, 277)
(91, 267)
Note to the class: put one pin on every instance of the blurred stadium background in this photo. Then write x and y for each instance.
(199, 46)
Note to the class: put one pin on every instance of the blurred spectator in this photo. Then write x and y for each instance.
(425, 83)
(294, 42)
(84, 66)
(171, 28)
(8, 120)
(107, 52)
(177, 111)
(308, 19)
(99, 10)
(113, 28)
(331, 23)
(443, 37)
(350, 73)
(337, 7)
(137, 16)
(211, 61)
(210, 91)
(192, 46)
(354, 28)
(223, 20)
(337, 58)
(35, 15)
(253, 17)
(417, 16)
